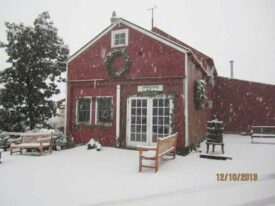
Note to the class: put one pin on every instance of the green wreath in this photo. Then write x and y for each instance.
(109, 60)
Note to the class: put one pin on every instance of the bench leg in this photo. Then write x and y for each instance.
(20, 150)
(10, 150)
(213, 148)
(174, 154)
(41, 150)
(207, 148)
(156, 164)
(222, 148)
(140, 161)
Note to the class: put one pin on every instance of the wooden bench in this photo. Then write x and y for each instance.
(213, 146)
(262, 132)
(165, 146)
(38, 141)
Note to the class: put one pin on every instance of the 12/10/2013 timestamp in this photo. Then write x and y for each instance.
(237, 177)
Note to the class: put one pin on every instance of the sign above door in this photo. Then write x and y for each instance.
(150, 88)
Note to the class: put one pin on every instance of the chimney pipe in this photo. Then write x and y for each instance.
(231, 69)
(114, 18)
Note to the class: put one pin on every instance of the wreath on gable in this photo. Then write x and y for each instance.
(110, 58)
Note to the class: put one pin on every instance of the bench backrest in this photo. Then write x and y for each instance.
(166, 144)
(263, 129)
(34, 137)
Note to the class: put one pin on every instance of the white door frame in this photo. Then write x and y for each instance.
(149, 136)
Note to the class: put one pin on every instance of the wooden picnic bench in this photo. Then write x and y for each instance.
(262, 132)
(165, 146)
(38, 141)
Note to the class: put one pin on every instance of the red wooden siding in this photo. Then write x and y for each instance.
(197, 118)
(149, 58)
(241, 104)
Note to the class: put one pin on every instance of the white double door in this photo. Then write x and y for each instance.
(148, 118)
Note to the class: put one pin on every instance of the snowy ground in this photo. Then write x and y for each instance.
(110, 177)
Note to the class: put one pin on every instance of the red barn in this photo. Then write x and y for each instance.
(129, 85)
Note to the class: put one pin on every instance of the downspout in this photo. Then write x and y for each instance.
(186, 112)
(117, 114)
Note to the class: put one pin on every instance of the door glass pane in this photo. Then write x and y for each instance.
(160, 102)
(138, 129)
(161, 118)
(155, 111)
(133, 137)
(144, 103)
(144, 111)
(134, 103)
(144, 120)
(138, 120)
(138, 137)
(143, 137)
(166, 102)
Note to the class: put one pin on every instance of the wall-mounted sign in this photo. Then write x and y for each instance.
(150, 88)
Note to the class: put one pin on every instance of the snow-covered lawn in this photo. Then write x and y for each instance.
(110, 177)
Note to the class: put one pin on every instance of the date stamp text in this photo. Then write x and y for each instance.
(252, 177)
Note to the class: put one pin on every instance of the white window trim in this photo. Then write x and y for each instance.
(96, 110)
(126, 31)
(76, 110)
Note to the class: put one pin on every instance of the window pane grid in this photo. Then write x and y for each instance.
(161, 118)
(120, 38)
(83, 115)
(138, 120)
(104, 110)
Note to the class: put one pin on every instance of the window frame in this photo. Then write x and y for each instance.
(96, 111)
(77, 110)
(125, 31)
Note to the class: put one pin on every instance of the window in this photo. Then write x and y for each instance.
(83, 110)
(104, 111)
(119, 38)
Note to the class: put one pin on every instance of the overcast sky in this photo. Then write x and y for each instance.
(239, 30)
